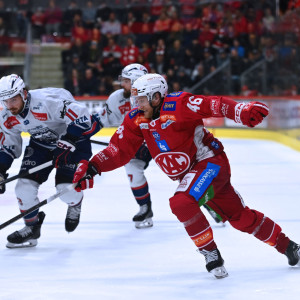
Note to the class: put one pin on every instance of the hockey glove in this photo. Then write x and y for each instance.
(2, 186)
(84, 176)
(65, 147)
(253, 113)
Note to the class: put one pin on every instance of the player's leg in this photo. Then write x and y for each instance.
(64, 177)
(26, 191)
(229, 205)
(140, 189)
(198, 186)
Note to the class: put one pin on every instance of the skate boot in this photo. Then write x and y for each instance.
(214, 263)
(26, 237)
(72, 217)
(143, 219)
(293, 253)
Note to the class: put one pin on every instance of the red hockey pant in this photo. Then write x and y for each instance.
(208, 182)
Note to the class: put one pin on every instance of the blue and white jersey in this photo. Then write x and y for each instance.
(48, 114)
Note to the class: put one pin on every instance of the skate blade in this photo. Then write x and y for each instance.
(144, 224)
(28, 244)
(219, 272)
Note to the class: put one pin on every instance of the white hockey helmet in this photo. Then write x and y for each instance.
(148, 85)
(133, 72)
(11, 86)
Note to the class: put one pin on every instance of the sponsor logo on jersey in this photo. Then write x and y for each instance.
(203, 238)
(71, 114)
(175, 94)
(11, 122)
(156, 135)
(215, 106)
(125, 108)
(169, 106)
(185, 182)
(141, 119)
(133, 113)
(173, 163)
(81, 120)
(165, 118)
(165, 125)
(144, 126)
(40, 116)
(204, 181)
(26, 122)
(161, 144)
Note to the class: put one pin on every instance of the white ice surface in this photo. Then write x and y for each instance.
(107, 258)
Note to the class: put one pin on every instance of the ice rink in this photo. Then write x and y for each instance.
(107, 258)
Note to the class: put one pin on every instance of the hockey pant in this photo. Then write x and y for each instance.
(208, 182)
(27, 188)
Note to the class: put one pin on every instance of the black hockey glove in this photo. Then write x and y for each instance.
(62, 155)
(2, 186)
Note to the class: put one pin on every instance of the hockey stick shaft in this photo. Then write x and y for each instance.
(99, 143)
(42, 203)
(30, 171)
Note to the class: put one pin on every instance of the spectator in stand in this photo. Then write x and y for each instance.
(122, 38)
(38, 23)
(144, 29)
(268, 20)
(206, 34)
(187, 9)
(89, 15)
(189, 34)
(111, 58)
(130, 21)
(68, 16)
(111, 26)
(176, 28)
(89, 84)
(160, 63)
(72, 83)
(221, 57)
(240, 49)
(3, 29)
(53, 18)
(92, 55)
(77, 64)
(237, 67)
(197, 74)
(162, 26)
(129, 53)
(252, 43)
(176, 55)
(209, 62)
(183, 78)
(78, 31)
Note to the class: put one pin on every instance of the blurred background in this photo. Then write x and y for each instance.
(245, 49)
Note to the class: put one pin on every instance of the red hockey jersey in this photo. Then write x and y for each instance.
(176, 140)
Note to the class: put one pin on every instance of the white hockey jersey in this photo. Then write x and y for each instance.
(115, 109)
(48, 114)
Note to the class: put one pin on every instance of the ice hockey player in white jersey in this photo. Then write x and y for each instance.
(60, 129)
(113, 114)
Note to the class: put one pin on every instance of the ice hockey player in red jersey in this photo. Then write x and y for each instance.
(172, 126)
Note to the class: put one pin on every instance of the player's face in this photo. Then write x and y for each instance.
(15, 105)
(144, 105)
(126, 85)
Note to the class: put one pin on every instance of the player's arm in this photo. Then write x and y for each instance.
(122, 147)
(249, 114)
(10, 148)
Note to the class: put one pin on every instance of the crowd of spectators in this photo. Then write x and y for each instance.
(183, 39)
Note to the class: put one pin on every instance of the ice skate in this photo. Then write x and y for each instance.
(72, 217)
(27, 236)
(143, 219)
(214, 263)
(293, 253)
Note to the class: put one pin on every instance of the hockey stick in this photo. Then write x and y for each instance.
(100, 143)
(30, 171)
(42, 203)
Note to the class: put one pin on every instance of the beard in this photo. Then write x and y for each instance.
(126, 93)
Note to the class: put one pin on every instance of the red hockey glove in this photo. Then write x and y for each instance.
(252, 113)
(84, 176)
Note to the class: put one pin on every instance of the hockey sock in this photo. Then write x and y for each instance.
(32, 218)
(141, 194)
